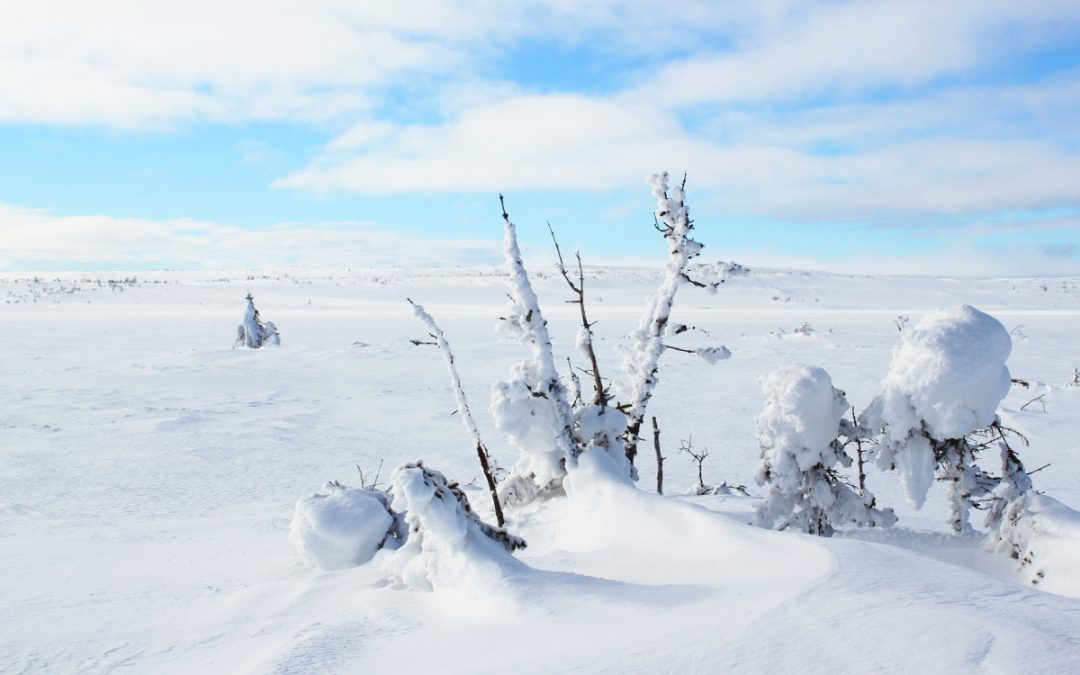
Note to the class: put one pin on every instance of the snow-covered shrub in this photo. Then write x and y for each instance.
(531, 406)
(641, 358)
(422, 527)
(945, 381)
(254, 332)
(343, 527)
(1044, 536)
(601, 427)
(446, 541)
(798, 433)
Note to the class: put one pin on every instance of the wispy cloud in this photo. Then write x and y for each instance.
(32, 238)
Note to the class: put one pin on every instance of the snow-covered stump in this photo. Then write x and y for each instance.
(447, 545)
(798, 433)
(945, 381)
(253, 332)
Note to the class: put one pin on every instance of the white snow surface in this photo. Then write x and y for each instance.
(149, 472)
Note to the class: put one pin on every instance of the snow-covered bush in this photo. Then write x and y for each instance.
(1044, 536)
(446, 542)
(531, 406)
(641, 358)
(254, 332)
(798, 433)
(343, 527)
(945, 381)
(423, 525)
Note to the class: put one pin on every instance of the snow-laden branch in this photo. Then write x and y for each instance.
(462, 403)
(640, 360)
(532, 407)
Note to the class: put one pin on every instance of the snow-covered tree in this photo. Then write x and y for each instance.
(641, 358)
(253, 332)
(531, 406)
(798, 432)
(944, 384)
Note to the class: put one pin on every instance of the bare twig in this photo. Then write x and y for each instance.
(659, 457)
(1040, 399)
(600, 395)
(687, 446)
(1039, 469)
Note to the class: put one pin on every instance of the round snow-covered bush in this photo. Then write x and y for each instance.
(945, 381)
(949, 372)
(801, 416)
(341, 528)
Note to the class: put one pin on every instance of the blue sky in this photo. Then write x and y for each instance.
(871, 136)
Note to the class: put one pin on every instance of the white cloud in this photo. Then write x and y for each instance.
(35, 237)
(151, 63)
(576, 142)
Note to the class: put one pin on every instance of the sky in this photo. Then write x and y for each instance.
(899, 137)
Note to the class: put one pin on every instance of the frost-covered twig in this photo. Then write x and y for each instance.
(462, 404)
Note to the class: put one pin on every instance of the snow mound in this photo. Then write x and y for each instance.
(949, 371)
(343, 527)
(447, 545)
(1044, 535)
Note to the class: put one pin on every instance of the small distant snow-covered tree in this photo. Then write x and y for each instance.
(253, 332)
(944, 384)
(798, 432)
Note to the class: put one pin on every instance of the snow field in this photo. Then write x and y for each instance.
(148, 473)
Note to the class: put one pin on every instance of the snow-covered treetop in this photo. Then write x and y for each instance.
(801, 417)
(948, 371)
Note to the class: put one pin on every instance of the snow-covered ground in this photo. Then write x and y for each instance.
(148, 474)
